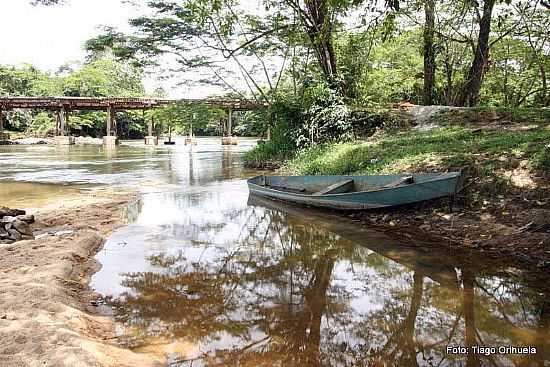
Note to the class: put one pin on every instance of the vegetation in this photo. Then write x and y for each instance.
(492, 156)
(321, 67)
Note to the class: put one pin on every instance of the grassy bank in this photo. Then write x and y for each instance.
(498, 159)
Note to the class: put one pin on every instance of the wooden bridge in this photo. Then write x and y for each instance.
(62, 106)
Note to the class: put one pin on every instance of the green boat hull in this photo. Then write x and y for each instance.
(369, 192)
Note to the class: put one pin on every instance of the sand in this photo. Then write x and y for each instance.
(46, 315)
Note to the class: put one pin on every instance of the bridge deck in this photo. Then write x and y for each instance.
(86, 103)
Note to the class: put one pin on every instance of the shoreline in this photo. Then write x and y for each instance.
(46, 310)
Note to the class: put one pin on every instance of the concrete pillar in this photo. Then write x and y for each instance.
(66, 123)
(64, 140)
(62, 120)
(150, 139)
(108, 122)
(61, 138)
(229, 122)
(1, 124)
(229, 140)
(110, 140)
(57, 122)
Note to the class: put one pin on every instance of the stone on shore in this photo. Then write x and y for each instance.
(29, 218)
(14, 225)
(22, 227)
(14, 234)
(4, 211)
(8, 219)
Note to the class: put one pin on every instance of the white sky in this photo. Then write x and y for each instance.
(48, 37)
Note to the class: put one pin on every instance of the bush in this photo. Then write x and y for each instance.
(541, 160)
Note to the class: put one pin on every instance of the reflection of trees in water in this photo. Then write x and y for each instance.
(272, 295)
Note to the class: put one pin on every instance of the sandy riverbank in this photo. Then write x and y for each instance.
(46, 318)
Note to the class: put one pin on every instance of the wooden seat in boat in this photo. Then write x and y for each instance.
(337, 188)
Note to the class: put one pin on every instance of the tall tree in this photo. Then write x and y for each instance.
(470, 91)
(429, 52)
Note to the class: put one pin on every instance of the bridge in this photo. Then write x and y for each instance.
(62, 106)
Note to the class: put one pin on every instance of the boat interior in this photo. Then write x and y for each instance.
(324, 185)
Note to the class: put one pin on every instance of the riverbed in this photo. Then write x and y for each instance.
(203, 274)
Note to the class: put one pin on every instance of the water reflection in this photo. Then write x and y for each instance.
(206, 279)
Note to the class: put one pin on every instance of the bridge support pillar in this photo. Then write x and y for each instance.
(110, 140)
(64, 140)
(2, 137)
(61, 138)
(229, 140)
(150, 139)
(63, 119)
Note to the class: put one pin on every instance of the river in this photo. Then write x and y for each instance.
(203, 274)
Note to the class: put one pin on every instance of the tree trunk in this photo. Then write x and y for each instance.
(474, 79)
(429, 54)
(545, 101)
(319, 28)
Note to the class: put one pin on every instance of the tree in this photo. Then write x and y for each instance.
(478, 68)
(104, 77)
(429, 52)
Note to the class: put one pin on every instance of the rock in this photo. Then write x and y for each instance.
(22, 227)
(29, 218)
(7, 226)
(425, 227)
(539, 221)
(8, 219)
(14, 234)
(4, 211)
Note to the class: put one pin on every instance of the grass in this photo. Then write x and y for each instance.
(481, 115)
(270, 154)
(488, 154)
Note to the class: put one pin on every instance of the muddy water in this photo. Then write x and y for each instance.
(204, 275)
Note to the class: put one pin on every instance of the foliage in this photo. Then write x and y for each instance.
(100, 77)
(42, 124)
(326, 118)
(182, 117)
(104, 77)
(541, 159)
(29, 81)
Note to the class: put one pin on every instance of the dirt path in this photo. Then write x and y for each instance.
(46, 318)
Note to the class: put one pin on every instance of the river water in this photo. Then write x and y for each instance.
(205, 275)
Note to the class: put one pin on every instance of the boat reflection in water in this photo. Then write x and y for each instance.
(266, 284)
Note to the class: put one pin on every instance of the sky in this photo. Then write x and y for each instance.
(48, 37)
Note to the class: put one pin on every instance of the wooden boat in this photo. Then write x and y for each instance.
(357, 192)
